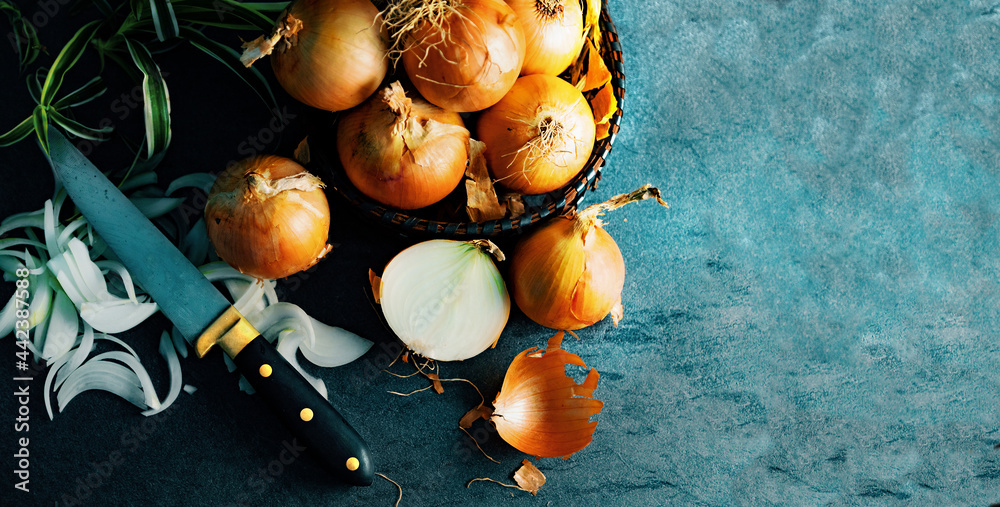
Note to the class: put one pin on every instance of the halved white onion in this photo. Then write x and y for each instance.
(445, 299)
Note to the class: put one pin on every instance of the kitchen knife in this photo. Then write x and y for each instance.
(202, 314)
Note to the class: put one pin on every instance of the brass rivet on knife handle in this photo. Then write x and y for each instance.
(230, 331)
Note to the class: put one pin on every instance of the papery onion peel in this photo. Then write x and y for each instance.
(542, 411)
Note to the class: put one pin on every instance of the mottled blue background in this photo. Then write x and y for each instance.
(812, 322)
(815, 319)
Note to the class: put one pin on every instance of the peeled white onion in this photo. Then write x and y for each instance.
(445, 299)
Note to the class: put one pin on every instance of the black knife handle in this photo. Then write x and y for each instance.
(310, 417)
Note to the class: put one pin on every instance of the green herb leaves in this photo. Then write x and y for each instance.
(156, 100)
(22, 35)
(136, 28)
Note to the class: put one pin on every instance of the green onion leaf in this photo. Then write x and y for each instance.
(79, 130)
(25, 38)
(17, 133)
(34, 82)
(41, 123)
(218, 17)
(137, 8)
(266, 6)
(164, 20)
(156, 100)
(246, 13)
(231, 59)
(86, 93)
(65, 60)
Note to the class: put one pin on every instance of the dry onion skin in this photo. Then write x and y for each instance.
(542, 411)
(329, 54)
(569, 273)
(553, 30)
(462, 55)
(402, 151)
(445, 299)
(539, 136)
(268, 217)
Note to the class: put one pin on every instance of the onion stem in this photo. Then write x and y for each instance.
(584, 219)
(489, 247)
(285, 31)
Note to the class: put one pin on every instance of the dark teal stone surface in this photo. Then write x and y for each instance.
(812, 322)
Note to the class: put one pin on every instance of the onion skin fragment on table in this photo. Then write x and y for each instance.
(542, 411)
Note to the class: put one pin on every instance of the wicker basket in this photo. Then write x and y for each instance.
(537, 207)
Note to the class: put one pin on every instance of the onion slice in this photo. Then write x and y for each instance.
(334, 346)
(103, 375)
(77, 358)
(174, 364)
(118, 372)
(117, 315)
(62, 329)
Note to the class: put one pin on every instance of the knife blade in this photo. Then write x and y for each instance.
(202, 314)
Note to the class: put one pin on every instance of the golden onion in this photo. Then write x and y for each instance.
(268, 217)
(403, 152)
(553, 31)
(462, 55)
(542, 411)
(329, 54)
(539, 136)
(569, 273)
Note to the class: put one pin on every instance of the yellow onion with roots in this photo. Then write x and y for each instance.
(539, 136)
(462, 55)
(402, 151)
(553, 31)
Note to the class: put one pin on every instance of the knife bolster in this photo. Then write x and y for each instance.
(230, 331)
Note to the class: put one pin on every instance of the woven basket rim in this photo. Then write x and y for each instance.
(551, 204)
